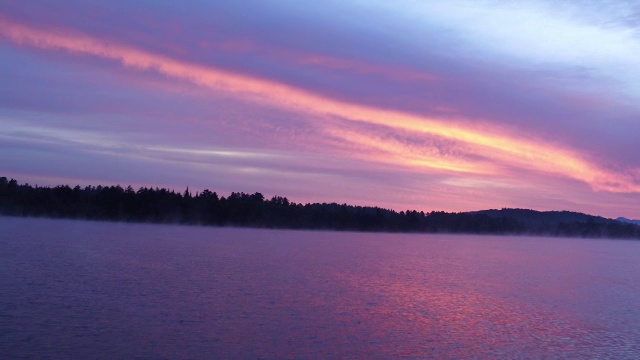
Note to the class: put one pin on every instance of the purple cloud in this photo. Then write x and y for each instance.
(301, 101)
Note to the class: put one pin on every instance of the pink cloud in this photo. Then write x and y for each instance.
(499, 145)
(433, 163)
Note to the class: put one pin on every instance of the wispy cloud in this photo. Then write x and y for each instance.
(454, 105)
(506, 148)
(600, 38)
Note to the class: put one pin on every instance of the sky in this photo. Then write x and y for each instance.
(427, 105)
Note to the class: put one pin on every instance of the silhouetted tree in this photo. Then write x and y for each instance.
(240, 209)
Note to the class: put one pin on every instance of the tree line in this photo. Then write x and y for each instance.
(160, 205)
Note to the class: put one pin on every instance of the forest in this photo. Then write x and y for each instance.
(160, 205)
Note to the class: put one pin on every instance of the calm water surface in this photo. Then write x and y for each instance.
(74, 289)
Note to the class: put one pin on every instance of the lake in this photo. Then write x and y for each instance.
(80, 289)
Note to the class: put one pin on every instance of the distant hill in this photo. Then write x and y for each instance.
(154, 205)
(625, 220)
(566, 223)
(545, 218)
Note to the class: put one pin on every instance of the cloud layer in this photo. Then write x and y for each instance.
(433, 107)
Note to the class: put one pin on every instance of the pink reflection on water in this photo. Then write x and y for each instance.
(460, 310)
(153, 291)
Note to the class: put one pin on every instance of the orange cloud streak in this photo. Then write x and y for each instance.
(395, 152)
(493, 143)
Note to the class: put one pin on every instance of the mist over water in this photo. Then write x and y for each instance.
(76, 289)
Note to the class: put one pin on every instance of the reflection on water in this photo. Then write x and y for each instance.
(74, 289)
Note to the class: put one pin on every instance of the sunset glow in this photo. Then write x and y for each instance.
(198, 114)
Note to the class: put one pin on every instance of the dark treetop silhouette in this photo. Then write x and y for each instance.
(115, 203)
